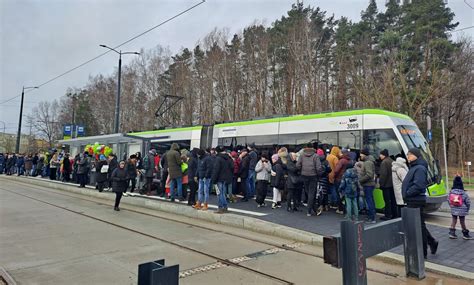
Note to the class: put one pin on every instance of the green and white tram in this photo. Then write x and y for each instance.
(371, 128)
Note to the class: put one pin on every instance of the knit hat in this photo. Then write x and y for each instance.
(219, 149)
(365, 151)
(320, 152)
(275, 157)
(384, 152)
(234, 154)
(457, 183)
(345, 151)
(415, 151)
(102, 157)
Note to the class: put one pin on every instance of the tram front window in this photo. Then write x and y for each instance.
(414, 139)
(377, 140)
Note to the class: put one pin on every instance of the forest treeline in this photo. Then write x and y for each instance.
(401, 58)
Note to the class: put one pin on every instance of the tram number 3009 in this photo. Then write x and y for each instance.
(352, 126)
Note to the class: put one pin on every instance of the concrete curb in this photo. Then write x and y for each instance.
(234, 220)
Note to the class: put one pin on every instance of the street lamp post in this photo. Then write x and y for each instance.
(4, 126)
(18, 135)
(117, 99)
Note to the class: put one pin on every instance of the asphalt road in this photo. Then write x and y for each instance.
(48, 237)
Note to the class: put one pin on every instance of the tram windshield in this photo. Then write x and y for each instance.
(413, 138)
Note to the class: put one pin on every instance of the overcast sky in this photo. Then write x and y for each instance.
(44, 38)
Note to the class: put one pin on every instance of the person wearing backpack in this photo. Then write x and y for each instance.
(460, 204)
(349, 187)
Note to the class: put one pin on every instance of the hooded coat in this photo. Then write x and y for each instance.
(173, 157)
(349, 182)
(368, 172)
(278, 174)
(462, 210)
(415, 183)
(309, 163)
(100, 177)
(399, 172)
(333, 159)
(119, 180)
(341, 167)
(223, 169)
(263, 170)
(385, 173)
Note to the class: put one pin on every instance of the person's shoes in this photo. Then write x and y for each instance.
(278, 205)
(434, 247)
(116, 208)
(125, 194)
(295, 209)
(339, 212)
(385, 218)
(197, 206)
(219, 211)
(205, 207)
(369, 221)
(289, 209)
(172, 200)
(452, 234)
(274, 205)
(225, 210)
(465, 235)
(101, 190)
(319, 211)
(308, 215)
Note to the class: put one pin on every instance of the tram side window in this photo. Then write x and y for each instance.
(328, 138)
(349, 140)
(163, 147)
(377, 140)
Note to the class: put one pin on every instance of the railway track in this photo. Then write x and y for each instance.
(228, 262)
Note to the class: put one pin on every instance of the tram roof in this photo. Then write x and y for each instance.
(166, 131)
(102, 139)
(316, 116)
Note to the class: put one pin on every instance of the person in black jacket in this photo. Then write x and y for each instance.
(119, 183)
(222, 175)
(193, 176)
(101, 170)
(67, 168)
(292, 183)
(112, 166)
(251, 179)
(277, 180)
(323, 181)
(244, 174)
(132, 172)
(386, 184)
(414, 194)
(203, 172)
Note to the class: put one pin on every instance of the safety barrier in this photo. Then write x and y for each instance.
(350, 249)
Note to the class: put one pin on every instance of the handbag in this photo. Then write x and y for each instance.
(104, 169)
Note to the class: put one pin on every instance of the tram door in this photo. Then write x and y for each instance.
(206, 137)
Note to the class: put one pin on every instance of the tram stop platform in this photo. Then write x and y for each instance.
(454, 257)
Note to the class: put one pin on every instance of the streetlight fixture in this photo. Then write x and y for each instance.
(18, 135)
(117, 99)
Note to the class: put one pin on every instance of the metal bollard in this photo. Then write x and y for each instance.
(156, 273)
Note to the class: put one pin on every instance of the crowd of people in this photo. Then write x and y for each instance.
(315, 178)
